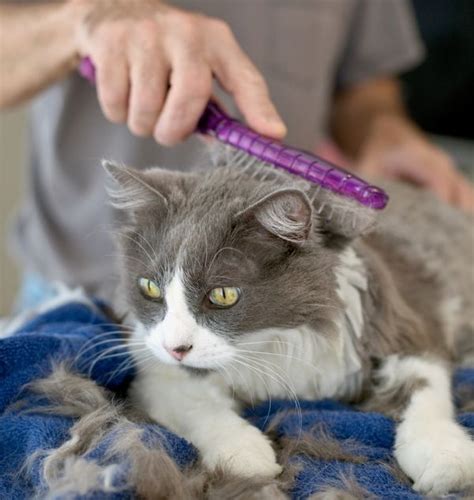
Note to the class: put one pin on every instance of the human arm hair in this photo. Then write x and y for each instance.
(37, 48)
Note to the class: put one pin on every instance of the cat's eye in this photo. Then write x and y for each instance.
(224, 296)
(149, 288)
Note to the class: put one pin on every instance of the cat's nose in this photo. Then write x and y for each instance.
(180, 351)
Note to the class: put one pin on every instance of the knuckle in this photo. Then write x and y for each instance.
(143, 108)
(146, 108)
(147, 27)
(201, 88)
(252, 77)
(221, 27)
(111, 33)
(187, 24)
(146, 34)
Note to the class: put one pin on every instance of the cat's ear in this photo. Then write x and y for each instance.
(286, 213)
(133, 190)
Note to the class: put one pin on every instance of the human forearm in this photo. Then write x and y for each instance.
(37, 47)
(363, 107)
(371, 126)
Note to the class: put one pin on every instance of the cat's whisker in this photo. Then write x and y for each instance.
(283, 355)
(129, 363)
(247, 382)
(150, 359)
(111, 353)
(286, 384)
(126, 348)
(153, 263)
(96, 340)
(94, 363)
(150, 246)
(145, 361)
(249, 389)
(280, 380)
(82, 352)
(245, 359)
(227, 376)
(115, 324)
(104, 354)
(277, 379)
(269, 396)
(100, 342)
(221, 250)
(109, 356)
(124, 366)
(206, 253)
(135, 259)
(267, 342)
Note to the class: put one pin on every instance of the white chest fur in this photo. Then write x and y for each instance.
(301, 362)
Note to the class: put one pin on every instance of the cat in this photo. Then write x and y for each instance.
(249, 284)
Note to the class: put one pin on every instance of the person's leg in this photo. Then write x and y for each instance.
(33, 292)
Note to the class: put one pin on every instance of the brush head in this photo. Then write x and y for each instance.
(340, 215)
(300, 163)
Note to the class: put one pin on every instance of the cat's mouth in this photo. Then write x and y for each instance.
(197, 371)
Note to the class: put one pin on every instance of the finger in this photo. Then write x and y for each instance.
(439, 180)
(443, 184)
(149, 84)
(112, 86)
(191, 87)
(204, 137)
(238, 76)
(464, 196)
(369, 167)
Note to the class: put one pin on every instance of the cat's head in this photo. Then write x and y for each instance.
(214, 262)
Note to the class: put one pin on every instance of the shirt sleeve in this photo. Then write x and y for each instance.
(383, 39)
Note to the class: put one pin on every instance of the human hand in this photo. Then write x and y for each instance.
(397, 149)
(155, 65)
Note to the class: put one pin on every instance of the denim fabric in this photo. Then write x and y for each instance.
(34, 291)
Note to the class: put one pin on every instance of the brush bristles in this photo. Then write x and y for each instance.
(342, 215)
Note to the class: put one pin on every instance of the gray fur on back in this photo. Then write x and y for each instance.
(428, 247)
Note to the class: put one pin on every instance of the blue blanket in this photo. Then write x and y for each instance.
(62, 333)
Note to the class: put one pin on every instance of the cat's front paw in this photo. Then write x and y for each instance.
(247, 454)
(439, 459)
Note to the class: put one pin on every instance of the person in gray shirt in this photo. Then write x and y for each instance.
(328, 66)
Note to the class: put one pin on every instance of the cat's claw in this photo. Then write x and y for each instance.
(440, 462)
(249, 455)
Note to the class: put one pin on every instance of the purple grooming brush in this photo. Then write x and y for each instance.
(300, 163)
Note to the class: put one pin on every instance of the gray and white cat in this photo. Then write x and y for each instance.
(246, 285)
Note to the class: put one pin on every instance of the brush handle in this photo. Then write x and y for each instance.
(303, 164)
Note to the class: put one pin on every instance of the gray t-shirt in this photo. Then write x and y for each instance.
(305, 49)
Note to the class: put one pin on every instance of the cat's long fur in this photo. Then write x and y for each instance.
(331, 306)
(150, 472)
